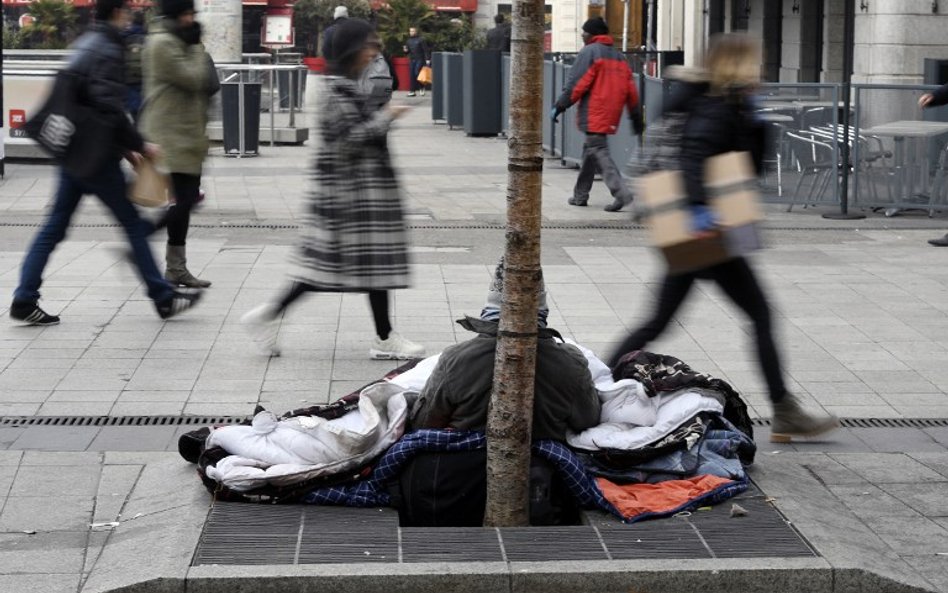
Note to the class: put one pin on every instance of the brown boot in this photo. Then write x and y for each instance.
(791, 420)
(177, 270)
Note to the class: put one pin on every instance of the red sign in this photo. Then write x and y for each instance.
(17, 118)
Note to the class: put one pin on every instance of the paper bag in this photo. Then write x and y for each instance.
(731, 187)
(151, 186)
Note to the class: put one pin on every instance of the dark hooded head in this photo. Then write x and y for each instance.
(349, 38)
(595, 26)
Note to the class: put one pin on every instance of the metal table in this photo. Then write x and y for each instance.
(908, 167)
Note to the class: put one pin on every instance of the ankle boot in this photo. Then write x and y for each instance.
(790, 420)
(177, 270)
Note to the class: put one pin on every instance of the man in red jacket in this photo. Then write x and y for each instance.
(601, 81)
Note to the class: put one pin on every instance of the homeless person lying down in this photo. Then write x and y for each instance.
(648, 438)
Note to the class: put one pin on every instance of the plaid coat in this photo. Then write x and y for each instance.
(354, 236)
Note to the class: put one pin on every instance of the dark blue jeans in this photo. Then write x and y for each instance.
(416, 66)
(109, 185)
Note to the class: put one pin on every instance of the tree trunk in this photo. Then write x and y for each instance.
(511, 406)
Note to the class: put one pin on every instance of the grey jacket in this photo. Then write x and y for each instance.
(458, 392)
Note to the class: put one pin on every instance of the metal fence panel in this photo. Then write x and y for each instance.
(901, 156)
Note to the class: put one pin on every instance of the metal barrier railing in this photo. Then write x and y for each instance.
(900, 151)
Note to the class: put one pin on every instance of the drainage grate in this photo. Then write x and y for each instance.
(243, 534)
(17, 421)
(475, 226)
(879, 422)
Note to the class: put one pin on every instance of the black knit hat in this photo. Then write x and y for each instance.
(596, 26)
(173, 8)
(348, 39)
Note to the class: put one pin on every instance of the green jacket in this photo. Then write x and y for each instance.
(177, 83)
(457, 393)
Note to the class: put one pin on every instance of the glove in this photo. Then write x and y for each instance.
(702, 219)
(638, 123)
(555, 114)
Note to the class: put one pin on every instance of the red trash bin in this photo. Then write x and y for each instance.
(402, 72)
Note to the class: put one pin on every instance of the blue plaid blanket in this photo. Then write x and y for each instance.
(372, 492)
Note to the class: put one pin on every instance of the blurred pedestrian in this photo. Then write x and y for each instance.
(498, 38)
(98, 61)
(601, 82)
(419, 56)
(720, 119)
(340, 14)
(377, 82)
(936, 99)
(354, 237)
(180, 79)
(134, 36)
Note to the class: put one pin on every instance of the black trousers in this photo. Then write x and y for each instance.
(739, 283)
(177, 218)
(378, 302)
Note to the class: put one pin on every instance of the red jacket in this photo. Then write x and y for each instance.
(601, 81)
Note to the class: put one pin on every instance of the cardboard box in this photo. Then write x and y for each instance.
(732, 191)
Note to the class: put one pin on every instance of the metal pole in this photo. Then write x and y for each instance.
(272, 125)
(649, 30)
(240, 113)
(849, 43)
(625, 26)
(2, 117)
(291, 75)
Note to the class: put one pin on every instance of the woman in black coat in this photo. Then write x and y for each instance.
(720, 119)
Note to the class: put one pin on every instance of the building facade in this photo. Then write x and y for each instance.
(803, 39)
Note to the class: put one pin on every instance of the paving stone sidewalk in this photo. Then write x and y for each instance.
(859, 306)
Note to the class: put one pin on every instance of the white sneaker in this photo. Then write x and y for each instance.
(395, 348)
(423, 92)
(263, 325)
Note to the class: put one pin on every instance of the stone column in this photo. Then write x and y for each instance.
(223, 29)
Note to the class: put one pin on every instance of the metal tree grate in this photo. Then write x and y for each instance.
(246, 534)
(17, 421)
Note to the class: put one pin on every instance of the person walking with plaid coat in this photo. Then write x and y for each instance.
(354, 238)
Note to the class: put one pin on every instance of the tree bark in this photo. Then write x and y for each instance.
(511, 407)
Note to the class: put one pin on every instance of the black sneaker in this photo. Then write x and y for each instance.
(574, 201)
(177, 304)
(31, 314)
(615, 206)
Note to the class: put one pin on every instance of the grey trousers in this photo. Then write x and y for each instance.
(596, 157)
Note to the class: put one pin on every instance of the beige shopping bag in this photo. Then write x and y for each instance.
(151, 186)
(730, 182)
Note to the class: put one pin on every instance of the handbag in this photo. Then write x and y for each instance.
(77, 137)
(151, 187)
(424, 75)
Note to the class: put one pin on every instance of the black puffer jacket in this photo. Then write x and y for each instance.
(716, 124)
(99, 59)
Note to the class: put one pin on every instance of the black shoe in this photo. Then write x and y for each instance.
(177, 304)
(31, 314)
(191, 444)
(939, 242)
(615, 206)
(576, 202)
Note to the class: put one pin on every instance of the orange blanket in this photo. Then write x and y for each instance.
(641, 501)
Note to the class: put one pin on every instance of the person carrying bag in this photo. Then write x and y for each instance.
(85, 128)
